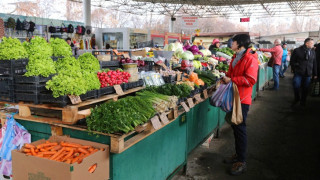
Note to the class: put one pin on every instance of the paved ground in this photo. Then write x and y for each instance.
(283, 142)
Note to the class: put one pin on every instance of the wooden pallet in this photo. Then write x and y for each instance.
(66, 115)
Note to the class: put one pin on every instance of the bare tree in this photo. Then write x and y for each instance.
(73, 11)
(99, 18)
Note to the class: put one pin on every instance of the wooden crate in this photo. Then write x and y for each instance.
(64, 115)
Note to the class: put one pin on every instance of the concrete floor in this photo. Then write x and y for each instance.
(283, 142)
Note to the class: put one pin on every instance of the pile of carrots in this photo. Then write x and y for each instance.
(64, 151)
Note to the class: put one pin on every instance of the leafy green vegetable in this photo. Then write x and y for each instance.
(91, 79)
(67, 82)
(68, 64)
(89, 63)
(206, 76)
(180, 90)
(40, 65)
(222, 67)
(38, 45)
(120, 116)
(60, 47)
(12, 49)
(226, 51)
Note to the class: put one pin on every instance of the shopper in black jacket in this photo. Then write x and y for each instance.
(304, 65)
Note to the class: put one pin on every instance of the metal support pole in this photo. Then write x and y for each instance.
(171, 25)
(87, 13)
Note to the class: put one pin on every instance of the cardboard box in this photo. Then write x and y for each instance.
(25, 167)
(142, 53)
(105, 57)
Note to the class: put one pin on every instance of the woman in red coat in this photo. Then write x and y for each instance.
(243, 72)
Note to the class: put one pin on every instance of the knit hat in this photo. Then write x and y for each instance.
(215, 41)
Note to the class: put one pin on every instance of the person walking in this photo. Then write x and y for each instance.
(284, 64)
(304, 65)
(243, 72)
(276, 52)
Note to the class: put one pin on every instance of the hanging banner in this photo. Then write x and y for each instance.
(190, 22)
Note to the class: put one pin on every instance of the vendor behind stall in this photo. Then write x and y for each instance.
(215, 44)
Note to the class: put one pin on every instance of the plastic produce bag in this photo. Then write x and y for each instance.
(227, 100)
(14, 137)
(218, 96)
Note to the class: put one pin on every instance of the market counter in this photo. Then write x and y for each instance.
(158, 155)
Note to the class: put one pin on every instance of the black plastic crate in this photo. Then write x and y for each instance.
(7, 96)
(170, 78)
(140, 83)
(27, 97)
(109, 64)
(48, 98)
(31, 79)
(6, 84)
(148, 66)
(106, 91)
(14, 63)
(89, 95)
(30, 88)
(13, 67)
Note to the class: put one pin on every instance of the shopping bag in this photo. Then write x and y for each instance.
(235, 117)
(217, 97)
(227, 100)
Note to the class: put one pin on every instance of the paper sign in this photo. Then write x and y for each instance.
(175, 113)
(125, 55)
(185, 107)
(156, 122)
(190, 102)
(198, 97)
(205, 94)
(75, 99)
(118, 89)
(164, 119)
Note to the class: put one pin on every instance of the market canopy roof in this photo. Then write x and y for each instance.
(213, 8)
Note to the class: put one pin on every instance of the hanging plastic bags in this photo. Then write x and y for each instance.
(14, 137)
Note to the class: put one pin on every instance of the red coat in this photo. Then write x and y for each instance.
(244, 75)
(276, 53)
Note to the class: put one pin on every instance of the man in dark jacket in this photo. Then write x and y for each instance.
(304, 65)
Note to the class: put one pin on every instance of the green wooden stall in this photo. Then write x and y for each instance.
(262, 76)
(157, 156)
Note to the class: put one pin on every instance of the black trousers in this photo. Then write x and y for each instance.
(240, 135)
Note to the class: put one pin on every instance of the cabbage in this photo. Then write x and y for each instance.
(205, 52)
(187, 47)
(187, 55)
(172, 47)
(194, 48)
(178, 53)
(178, 46)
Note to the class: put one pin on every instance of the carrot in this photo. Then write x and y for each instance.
(49, 152)
(26, 150)
(86, 147)
(76, 154)
(92, 168)
(29, 146)
(94, 151)
(57, 154)
(29, 154)
(70, 144)
(39, 155)
(47, 142)
(36, 150)
(33, 152)
(46, 145)
(75, 159)
(68, 161)
(60, 156)
(69, 154)
(91, 149)
(80, 158)
(42, 150)
(102, 149)
(83, 150)
(56, 148)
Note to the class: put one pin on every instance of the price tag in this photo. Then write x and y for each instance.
(164, 119)
(125, 55)
(118, 89)
(156, 122)
(198, 97)
(205, 94)
(185, 107)
(75, 99)
(178, 76)
(190, 102)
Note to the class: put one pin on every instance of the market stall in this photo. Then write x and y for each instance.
(148, 112)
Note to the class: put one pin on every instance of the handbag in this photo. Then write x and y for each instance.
(63, 28)
(271, 62)
(52, 29)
